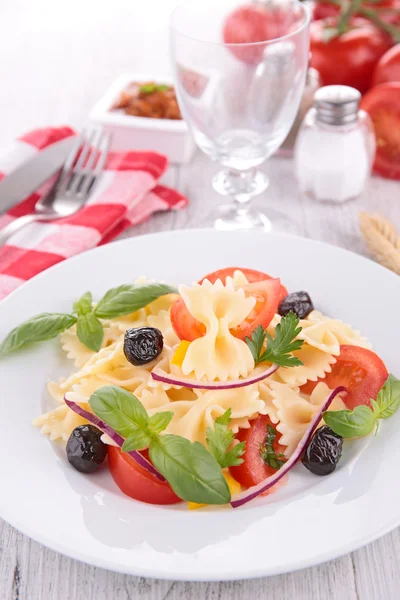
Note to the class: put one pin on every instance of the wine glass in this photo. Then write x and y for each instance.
(240, 99)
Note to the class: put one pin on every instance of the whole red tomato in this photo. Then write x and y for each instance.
(348, 59)
(322, 10)
(247, 24)
(382, 103)
(252, 23)
(388, 67)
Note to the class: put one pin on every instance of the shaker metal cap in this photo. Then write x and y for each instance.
(337, 104)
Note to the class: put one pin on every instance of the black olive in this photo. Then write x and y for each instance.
(85, 450)
(142, 345)
(323, 452)
(299, 302)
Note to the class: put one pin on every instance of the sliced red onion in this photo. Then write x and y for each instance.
(256, 490)
(118, 439)
(196, 384)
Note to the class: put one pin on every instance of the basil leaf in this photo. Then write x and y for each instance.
(160, 421)
(351, 423)
(83, 306)
(129, 298)
(192, 472)
(388, 400)
(137, 440)
(120, 409)
(40, 328)
(90, 331)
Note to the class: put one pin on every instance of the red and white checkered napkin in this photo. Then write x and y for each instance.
(126, 194)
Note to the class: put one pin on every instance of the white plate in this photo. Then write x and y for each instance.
(310, 520)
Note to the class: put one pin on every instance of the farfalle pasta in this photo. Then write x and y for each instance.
(316, 364)
(218, 354)
(220, 366)
(329, 334)
(193, 415)
(295, 412)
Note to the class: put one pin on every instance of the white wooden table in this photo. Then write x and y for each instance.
(57, 58)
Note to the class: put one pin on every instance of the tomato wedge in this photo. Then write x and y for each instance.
(358, 369)
(253, 470)
(136, 482)
(382, 103)
(251, 275)
(185, 326)
(267, 294)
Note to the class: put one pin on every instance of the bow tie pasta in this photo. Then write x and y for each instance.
(193, 416)
(245, 378)
(218, 354)
(295, 412)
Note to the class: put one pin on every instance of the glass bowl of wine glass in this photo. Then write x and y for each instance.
(239, 75)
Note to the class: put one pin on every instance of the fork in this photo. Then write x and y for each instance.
(73, 185)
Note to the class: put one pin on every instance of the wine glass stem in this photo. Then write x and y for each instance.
(240, 185)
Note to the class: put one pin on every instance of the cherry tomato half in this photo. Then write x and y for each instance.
(251, 275)
(136, 482)
(358, 369)
(253, 470)
(267, 294)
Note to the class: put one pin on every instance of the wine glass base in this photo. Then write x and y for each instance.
(230, 218)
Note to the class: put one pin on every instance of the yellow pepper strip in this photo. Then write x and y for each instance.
(180, 353)
(234, 487)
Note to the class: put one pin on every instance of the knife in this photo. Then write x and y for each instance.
(29, 176)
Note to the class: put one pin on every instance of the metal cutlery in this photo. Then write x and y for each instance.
(32, 173)
(73, 185)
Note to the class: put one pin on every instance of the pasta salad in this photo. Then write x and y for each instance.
(209, 393)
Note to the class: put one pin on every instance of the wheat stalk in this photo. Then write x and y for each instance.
(382, 239)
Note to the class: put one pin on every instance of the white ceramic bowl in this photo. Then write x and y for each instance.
(167, 136)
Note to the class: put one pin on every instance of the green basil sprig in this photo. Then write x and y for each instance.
(117, 302)
(363, 420)
(193, 473)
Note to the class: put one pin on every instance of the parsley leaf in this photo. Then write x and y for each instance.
(256, 342)
(279, 349)
(220, 438)
(268, 454)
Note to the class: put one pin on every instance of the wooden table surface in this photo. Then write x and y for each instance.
(57, 59)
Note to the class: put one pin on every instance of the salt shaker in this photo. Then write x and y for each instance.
(335, 146)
